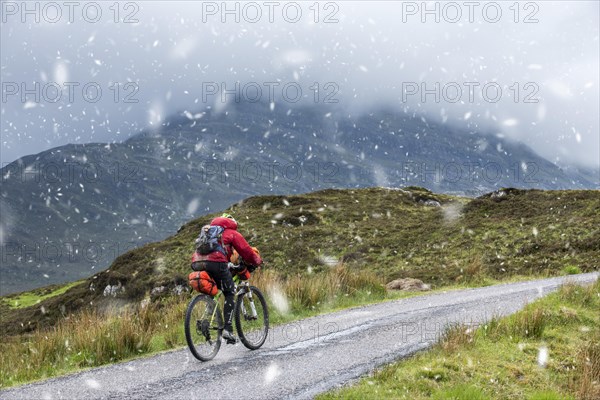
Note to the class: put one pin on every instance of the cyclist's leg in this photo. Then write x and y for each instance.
(228, 287)
(220, 273)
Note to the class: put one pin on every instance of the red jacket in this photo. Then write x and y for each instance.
(232, 239)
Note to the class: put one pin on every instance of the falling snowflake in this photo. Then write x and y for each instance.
(272, 372)
(542, 358)
(92, 383)
(279, 299)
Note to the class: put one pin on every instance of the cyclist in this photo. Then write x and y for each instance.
(215, 264)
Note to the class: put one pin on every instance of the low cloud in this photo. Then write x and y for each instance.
(377, 54)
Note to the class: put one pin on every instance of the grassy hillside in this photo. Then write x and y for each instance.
(390, 233)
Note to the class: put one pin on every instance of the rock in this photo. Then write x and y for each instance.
(113, 290)
(179, 289)
(300, 218)
(431, 203)
(498, 194)
(408, 284)
(157, 290)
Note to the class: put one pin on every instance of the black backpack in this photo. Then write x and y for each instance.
(210, 240)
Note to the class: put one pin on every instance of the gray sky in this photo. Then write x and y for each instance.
(374, 53)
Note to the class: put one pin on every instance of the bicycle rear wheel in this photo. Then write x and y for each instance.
(252, 318)
(203, 327)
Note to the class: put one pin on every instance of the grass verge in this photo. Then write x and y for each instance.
(549, 350)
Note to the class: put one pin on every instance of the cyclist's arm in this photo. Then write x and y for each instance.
(243, 248)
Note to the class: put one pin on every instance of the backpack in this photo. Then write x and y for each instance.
(210, 240)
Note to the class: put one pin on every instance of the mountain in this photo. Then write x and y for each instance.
(70, 211)
(392, 233)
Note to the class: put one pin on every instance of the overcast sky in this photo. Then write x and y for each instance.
(374, 53)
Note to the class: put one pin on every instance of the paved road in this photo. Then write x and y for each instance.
(299, 359)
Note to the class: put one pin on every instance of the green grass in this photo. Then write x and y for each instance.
(571, 270)
(28, 299)
(500, 359)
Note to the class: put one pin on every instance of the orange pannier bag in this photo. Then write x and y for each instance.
(201, 282)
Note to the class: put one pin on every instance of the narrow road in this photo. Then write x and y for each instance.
(302, 359)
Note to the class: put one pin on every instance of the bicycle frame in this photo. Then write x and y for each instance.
(241, 287)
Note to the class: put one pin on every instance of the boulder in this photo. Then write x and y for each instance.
(157, 290)
(179, 289)
(113, 290)
(408, 284)
(431, 203)
(497, 194)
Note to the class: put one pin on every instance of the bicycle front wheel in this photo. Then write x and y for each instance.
(252, 318)
(203, 324)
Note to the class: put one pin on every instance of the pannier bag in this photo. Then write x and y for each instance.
(201, 282)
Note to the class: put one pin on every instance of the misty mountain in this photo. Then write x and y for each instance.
(69, 211)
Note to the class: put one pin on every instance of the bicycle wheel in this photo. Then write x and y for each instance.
(252, 318)
(203, 328)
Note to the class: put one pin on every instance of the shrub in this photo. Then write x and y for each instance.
(580, 295)
(571, 270)
(310, 291)
(458, 336)
(528, 324)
